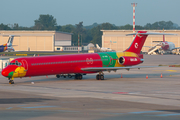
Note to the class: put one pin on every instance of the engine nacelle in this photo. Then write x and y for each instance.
(129, 61)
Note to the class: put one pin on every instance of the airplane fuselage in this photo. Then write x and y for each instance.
(67, 64)
(3, 48)
(167, 46)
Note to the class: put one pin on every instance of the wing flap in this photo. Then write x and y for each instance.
(176, 48)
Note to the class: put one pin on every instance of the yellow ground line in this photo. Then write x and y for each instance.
(172, 70)
(166, 70)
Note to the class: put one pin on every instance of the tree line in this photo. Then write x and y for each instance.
(89, 33)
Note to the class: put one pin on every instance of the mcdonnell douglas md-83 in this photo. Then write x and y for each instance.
(79, 64)
(8, 45)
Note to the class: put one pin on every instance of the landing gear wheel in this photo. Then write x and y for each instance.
(11, 82)
(78, 77)
(70, 76)
(100, 76)
(58, 76)
(75, 77)
(97, 77)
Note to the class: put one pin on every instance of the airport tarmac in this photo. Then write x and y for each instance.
(132, 97)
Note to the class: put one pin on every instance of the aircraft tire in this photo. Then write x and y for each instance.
(58, 76)
(102, 77)
(70, 76)
(80, 77)
(97, 77)
(76, 77)
(11, 82)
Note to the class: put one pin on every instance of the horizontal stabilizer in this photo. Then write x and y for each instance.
(157, 41)
(11, 35)
(151, 33)
(148, 46)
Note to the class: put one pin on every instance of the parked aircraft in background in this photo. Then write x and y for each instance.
(162, 47)
(79, 64)
(8, 46)
(103, 49)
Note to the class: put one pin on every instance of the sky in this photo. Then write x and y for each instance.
(118, 12)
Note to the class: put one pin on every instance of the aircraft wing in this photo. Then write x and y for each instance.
(176, 48)
(157, 41)
(114, 68)
(148, 46)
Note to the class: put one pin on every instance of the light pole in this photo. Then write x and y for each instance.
(78, 43)
(133, 5)
(81, 43)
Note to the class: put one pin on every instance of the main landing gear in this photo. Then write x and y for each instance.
(100, 76)
(64, 76)
(78, 77)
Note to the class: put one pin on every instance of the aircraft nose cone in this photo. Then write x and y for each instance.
(5, 73)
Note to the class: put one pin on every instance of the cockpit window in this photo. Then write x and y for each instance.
(16, 63)
(11, 63)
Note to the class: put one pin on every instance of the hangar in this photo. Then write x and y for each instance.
(36, 40)
(118, 41)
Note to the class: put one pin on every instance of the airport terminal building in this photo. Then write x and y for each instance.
(51, 41)
(36, 40)
(118, 41)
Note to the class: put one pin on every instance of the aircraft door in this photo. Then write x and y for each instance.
(24, 64)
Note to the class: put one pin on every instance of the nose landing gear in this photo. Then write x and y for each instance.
(11, 81)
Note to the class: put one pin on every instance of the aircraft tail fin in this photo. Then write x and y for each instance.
(10, 40)
(139, 40)
(98, 46)
(163, 38)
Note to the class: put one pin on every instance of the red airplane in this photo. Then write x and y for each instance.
(79, 64)
(165, 47)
